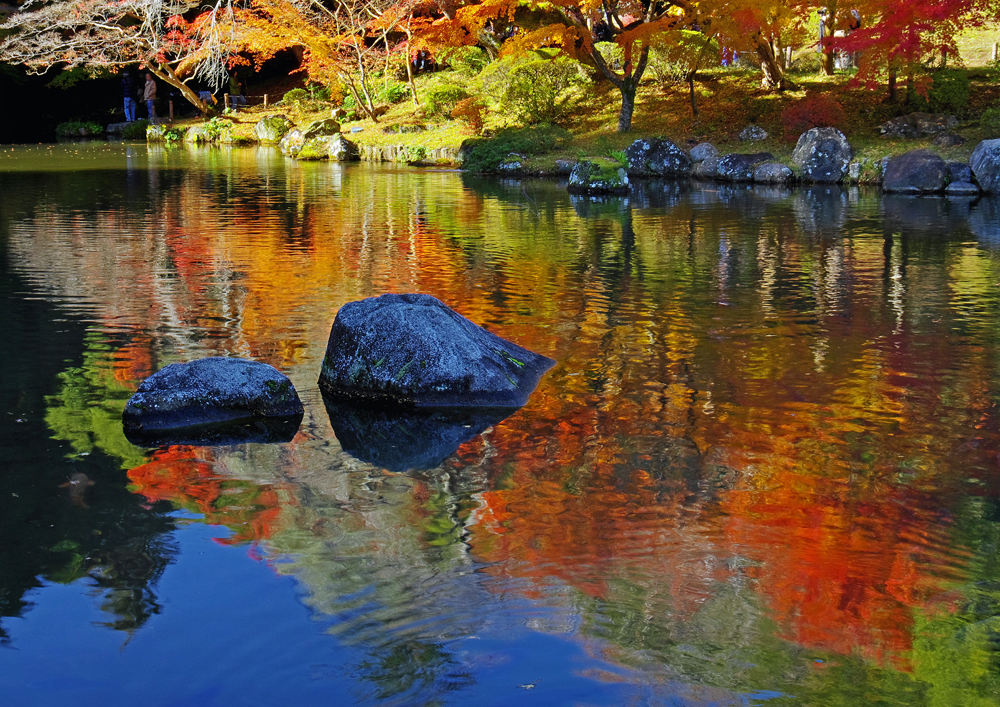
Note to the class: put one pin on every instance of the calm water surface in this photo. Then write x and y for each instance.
(764, 469)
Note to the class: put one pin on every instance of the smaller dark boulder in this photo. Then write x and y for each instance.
(739, 167)
(916, 125)
(195, 399)
(598, 176)
(412, 350)
(915, 172)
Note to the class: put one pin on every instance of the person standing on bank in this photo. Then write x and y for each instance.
(128, 94)
(149, 95)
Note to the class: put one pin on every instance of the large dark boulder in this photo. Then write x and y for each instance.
(822, 155)
(657, 157)
(412, 350)
(985, 164)
(215, 398)
(915, 172)
(738, 167)
(404, 440)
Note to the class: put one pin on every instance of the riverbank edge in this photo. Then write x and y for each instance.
(867, 170)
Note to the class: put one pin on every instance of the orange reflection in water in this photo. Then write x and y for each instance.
(696, 430)
(184, 477)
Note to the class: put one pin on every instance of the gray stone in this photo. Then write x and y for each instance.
(915, 172)
(657, 157)
(962, 189)
(703, 151)
(948, 140)
(753, 133)
(738, 167)
(196, 134)
(822, 155)
(513, 163)
(916, 125)
(598, 177)
(336, 148)
(772, 173)
(985, 164)
(272, 128)
(707, 168)
(209, 393)
(564, 166)
(411, 350)
(958, 172)
(321, 128)
(292, 142)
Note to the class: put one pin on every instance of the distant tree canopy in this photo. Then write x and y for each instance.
(347, 41)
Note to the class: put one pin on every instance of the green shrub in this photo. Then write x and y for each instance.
(79, 128)
(672, 62)
(393, 93)
(535, 89)
(441, 99)
(296, 95)
(465, 60)
(949, 91)
(990, 119)
(136, 130)
(216, 127)
(485, 154)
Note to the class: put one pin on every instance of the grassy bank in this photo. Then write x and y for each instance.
(726, 100)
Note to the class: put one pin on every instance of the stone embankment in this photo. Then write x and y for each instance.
(822, 155)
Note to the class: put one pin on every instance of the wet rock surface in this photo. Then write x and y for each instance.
(412, 350)
(213, 398)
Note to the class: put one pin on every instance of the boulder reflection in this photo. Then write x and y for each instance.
(405, 440)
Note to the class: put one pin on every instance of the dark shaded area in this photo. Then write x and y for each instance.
(63, 517)
(263, 430)
(33, 108)
(407, 439)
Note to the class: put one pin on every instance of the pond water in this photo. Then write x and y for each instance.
(763, 470)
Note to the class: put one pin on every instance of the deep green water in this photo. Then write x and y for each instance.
(764, 469)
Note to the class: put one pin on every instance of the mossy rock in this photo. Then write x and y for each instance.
(270, 129)
(598, 176)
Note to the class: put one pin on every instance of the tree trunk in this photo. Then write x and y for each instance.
(409, 66)
(628, 107)
(691, 94)
(892, 84)
(774, 78)
(166, 74)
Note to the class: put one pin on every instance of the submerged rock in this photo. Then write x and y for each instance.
(598, 176)
(404, 440)
(413, 350)
(213, 398)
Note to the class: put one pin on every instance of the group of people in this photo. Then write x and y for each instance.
(130, 93)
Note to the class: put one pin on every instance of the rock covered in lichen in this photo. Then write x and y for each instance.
(209, 392)
(413, 350)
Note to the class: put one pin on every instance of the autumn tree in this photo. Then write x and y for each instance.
(112, 34)
(898, 35)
